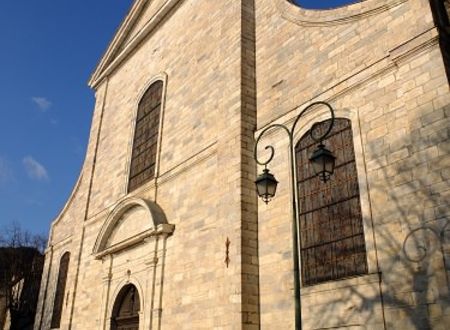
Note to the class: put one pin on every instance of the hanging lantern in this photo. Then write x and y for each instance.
(266, 186)
(323, 162)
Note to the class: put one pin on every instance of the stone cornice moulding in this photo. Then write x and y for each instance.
(62, 244)
(391, 61)
(163, 229)
(336, 16)
(114, 55)
(155, 214)
(189, 163)
(174, 171)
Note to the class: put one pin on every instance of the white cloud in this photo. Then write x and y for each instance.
(6, 173)
(42, 103)
(34, 169)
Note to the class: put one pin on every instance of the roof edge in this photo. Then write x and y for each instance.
(113, 57)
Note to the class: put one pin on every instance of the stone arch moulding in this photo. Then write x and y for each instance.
(335, 16)
(151, 217)
(118, 288)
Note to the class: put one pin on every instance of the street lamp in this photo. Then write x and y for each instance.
(323, 163)
(266, 186)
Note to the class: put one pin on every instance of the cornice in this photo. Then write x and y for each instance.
(115, 54)
(336, 16)
(162, 229)
(393, 58)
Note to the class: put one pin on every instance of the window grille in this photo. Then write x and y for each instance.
(145, 143)
(60, 290)
(331, 230)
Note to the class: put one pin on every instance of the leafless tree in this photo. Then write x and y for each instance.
(21, 263)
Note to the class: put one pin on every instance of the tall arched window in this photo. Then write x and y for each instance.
(145, 143)
(60, 290)
(331, 228)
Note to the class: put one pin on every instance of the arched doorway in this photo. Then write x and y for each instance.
(125, 315)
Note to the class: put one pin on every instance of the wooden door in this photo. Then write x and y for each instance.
(126, 309)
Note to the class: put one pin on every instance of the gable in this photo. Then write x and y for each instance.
(144, 17)
(147, 12)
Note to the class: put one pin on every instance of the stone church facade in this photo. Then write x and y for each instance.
(164, 229)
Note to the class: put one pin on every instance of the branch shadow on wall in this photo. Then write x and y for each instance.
(412, 239)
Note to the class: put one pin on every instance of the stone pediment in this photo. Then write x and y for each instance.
(128, 224)
(143, 18)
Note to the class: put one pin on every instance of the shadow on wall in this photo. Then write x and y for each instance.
(412, 232)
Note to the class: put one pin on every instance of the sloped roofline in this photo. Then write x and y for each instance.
(119, 36)
(114, 55)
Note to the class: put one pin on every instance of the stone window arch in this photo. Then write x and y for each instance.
(332, 240)
(60, 290)
(146, 134)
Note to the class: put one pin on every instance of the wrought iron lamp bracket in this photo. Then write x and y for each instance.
(290, 132)
(295, 222)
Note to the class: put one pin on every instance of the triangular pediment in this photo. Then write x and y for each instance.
(143, 18)
(148, 11)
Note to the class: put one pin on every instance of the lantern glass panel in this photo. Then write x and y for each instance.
(323, 162)
(266, 185)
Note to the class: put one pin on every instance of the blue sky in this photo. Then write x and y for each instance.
(49, 49)
(323, 4)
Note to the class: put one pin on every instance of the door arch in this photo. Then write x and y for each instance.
(125, 314)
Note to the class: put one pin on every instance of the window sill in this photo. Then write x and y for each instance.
(340, 284)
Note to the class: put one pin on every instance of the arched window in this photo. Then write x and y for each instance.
(323, 4)
(145, 143)
(60, 290)
(126, 309)
(331, 229)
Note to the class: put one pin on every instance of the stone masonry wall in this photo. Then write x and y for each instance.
(230, 68)
(385, 72)
(198, 50)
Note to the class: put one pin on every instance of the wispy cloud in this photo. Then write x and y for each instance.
(42, 103)
(6, 173)
(35, 170)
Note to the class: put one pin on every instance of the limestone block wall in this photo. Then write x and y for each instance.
(379, 64)
(198, 51)
(230, 68)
